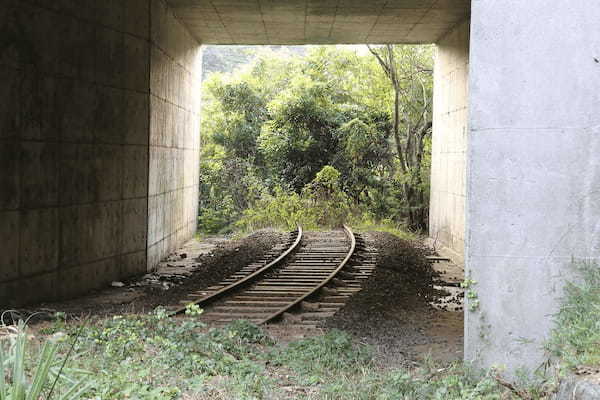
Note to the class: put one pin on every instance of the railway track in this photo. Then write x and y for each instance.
(312, 276)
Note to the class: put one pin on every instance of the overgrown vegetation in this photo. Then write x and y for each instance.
(318, 139)
(576, 338)
(152, 357)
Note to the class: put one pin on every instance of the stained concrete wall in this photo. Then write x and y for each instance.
(174, 134)
(449, 142)
(533, 173)
(80, 82)
(73, 146)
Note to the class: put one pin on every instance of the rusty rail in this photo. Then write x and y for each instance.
(246, 280)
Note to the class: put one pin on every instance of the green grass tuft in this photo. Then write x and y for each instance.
(576, 337)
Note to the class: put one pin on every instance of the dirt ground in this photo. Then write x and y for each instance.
(407, 310)
(198, 264)
(403, 310)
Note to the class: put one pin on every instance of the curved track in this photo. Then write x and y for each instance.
(286, 283)
(240, 279)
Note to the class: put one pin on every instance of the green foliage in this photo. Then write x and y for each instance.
(152, 356)
(322, 203)
(576, 337)
(22, 378)
(366, 222)
(325, 196)
(453, 383)
(344, 370)
(274, 124)
(228, 58)
(282, 209)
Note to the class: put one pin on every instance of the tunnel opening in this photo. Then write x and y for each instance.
(102, 146)
(235, 99)
(309, 135)
(101, 154)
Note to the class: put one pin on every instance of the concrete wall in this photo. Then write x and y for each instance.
(449, 144)
(80, 114)
(73, 145)
(174, 134)
(534, 172)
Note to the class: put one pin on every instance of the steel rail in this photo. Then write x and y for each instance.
(321, 285)
(246, 280)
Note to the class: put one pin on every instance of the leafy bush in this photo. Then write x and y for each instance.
(279, 122)
(367, 222)
(282, 209)
(321, 204)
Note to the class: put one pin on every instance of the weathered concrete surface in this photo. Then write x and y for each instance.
(449, 142)
(81, 158)
(99, 123)
(175, 80)
(533, 169)
(73, 146)
(319, 21)
(578, 388)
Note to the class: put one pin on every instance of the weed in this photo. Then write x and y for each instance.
(471, 294)
(319, 358)
(576, 337)
(154, 357)
(22, 378)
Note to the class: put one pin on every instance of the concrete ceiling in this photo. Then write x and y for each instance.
(319, 21)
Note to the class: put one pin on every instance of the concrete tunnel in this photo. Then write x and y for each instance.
(99, 139)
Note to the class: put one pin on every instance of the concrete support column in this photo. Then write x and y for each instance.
(533, 197)
(449, 142)
(175, 78)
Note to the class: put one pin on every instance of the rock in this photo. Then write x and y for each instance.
(183, 255)
(117, 284)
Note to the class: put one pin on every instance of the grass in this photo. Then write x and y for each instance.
(576, 337)
(385, 225)
(151, 356)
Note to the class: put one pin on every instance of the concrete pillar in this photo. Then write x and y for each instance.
(533, 198)
(449, 142)
(175, 78)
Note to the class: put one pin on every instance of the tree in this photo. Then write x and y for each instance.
(276, 127)
(409, 71)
